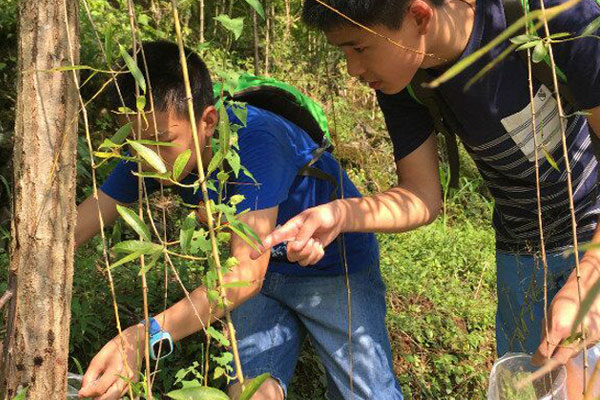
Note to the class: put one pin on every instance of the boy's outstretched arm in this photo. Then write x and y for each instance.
(415, 201)
(122, 359)
(88, 222)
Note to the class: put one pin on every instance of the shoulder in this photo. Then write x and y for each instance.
(574, 19)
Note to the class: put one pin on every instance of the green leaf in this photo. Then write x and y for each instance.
(253, 386)
(224, 130)
(234, 162)
(149, 142)
(198, 393)
(180, 163)
(140, 103)
(241, 112)
(230, 263)
(539, 52)
(521, 39)
(133, 256)
(591, 28)
(148, 265)
(71, 68)
(528, 45)
(559, 35)
(239, 229)
(104, 154)
(133, 68)
(550, 159)
(133, 246)
(236, 199)
(125, 110)
(134, 221)
(255, 4)
(237, 284)
(222, 176)
(218, 372)
(200, 242)
(149, 156)
(187, 232)
(154, 175)
(216, 160)
(234, 25)
(21, 394)
(213, 295)
(224, 359)
(108, 144)
(218, 336)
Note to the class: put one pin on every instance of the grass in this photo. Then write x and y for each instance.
(440, 279)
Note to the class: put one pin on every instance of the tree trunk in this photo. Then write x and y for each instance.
(268, 33)
(256, 54)
(201, 21)
(41, 271)
(288, 19)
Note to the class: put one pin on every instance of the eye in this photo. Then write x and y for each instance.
(359, 49)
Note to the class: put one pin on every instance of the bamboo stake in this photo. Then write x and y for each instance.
(203, 187)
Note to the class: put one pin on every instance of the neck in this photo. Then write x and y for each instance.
(452, 27)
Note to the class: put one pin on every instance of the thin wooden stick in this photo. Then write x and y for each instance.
(563, 130)
(5, 297)
(203, 186)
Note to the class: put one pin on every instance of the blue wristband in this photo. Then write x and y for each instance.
(161, 344)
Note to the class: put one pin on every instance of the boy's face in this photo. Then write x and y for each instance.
(378, 62)
(177, 131)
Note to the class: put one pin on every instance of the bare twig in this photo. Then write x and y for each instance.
(5, 297)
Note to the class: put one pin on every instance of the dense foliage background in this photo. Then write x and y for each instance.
(440, 278)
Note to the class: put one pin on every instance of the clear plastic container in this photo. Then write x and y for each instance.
(513, 368)
(73, 385)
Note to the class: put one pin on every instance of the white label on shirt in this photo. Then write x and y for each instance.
(519, 125)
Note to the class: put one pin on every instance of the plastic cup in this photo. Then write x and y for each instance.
(513, 368)
(73, 385)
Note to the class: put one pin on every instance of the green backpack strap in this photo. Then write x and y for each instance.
(443, 118)
(285, 100)
(288, 102)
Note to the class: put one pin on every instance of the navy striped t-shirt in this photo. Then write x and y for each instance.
(497, 130)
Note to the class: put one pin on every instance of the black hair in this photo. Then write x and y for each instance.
(389, 13)
(166, 79)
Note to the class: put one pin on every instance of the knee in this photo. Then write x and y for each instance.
(269, 390)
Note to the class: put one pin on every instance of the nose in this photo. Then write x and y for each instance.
(354, 65)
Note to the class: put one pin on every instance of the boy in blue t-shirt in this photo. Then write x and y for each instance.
(494, 117)
(285, 302)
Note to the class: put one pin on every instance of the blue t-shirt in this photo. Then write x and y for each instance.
(273, 150)
(497, 129)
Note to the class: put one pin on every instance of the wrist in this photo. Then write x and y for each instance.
(339, 211)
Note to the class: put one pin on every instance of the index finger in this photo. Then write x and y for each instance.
(99, 386)
(284, 233)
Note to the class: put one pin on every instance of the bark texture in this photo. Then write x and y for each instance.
(41, 271)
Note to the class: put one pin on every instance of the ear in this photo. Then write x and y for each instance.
(422, 12)
(209, 120)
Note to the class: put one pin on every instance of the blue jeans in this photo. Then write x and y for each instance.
(520, 285)
(272, 326)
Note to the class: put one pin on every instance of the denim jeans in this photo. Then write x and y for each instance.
(520, 285)
(272, 326)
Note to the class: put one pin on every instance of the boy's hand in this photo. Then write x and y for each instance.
(306, 235)
(557, 343)
(104, 378)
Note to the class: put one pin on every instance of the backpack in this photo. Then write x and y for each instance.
(288, 102)
(444, 120)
